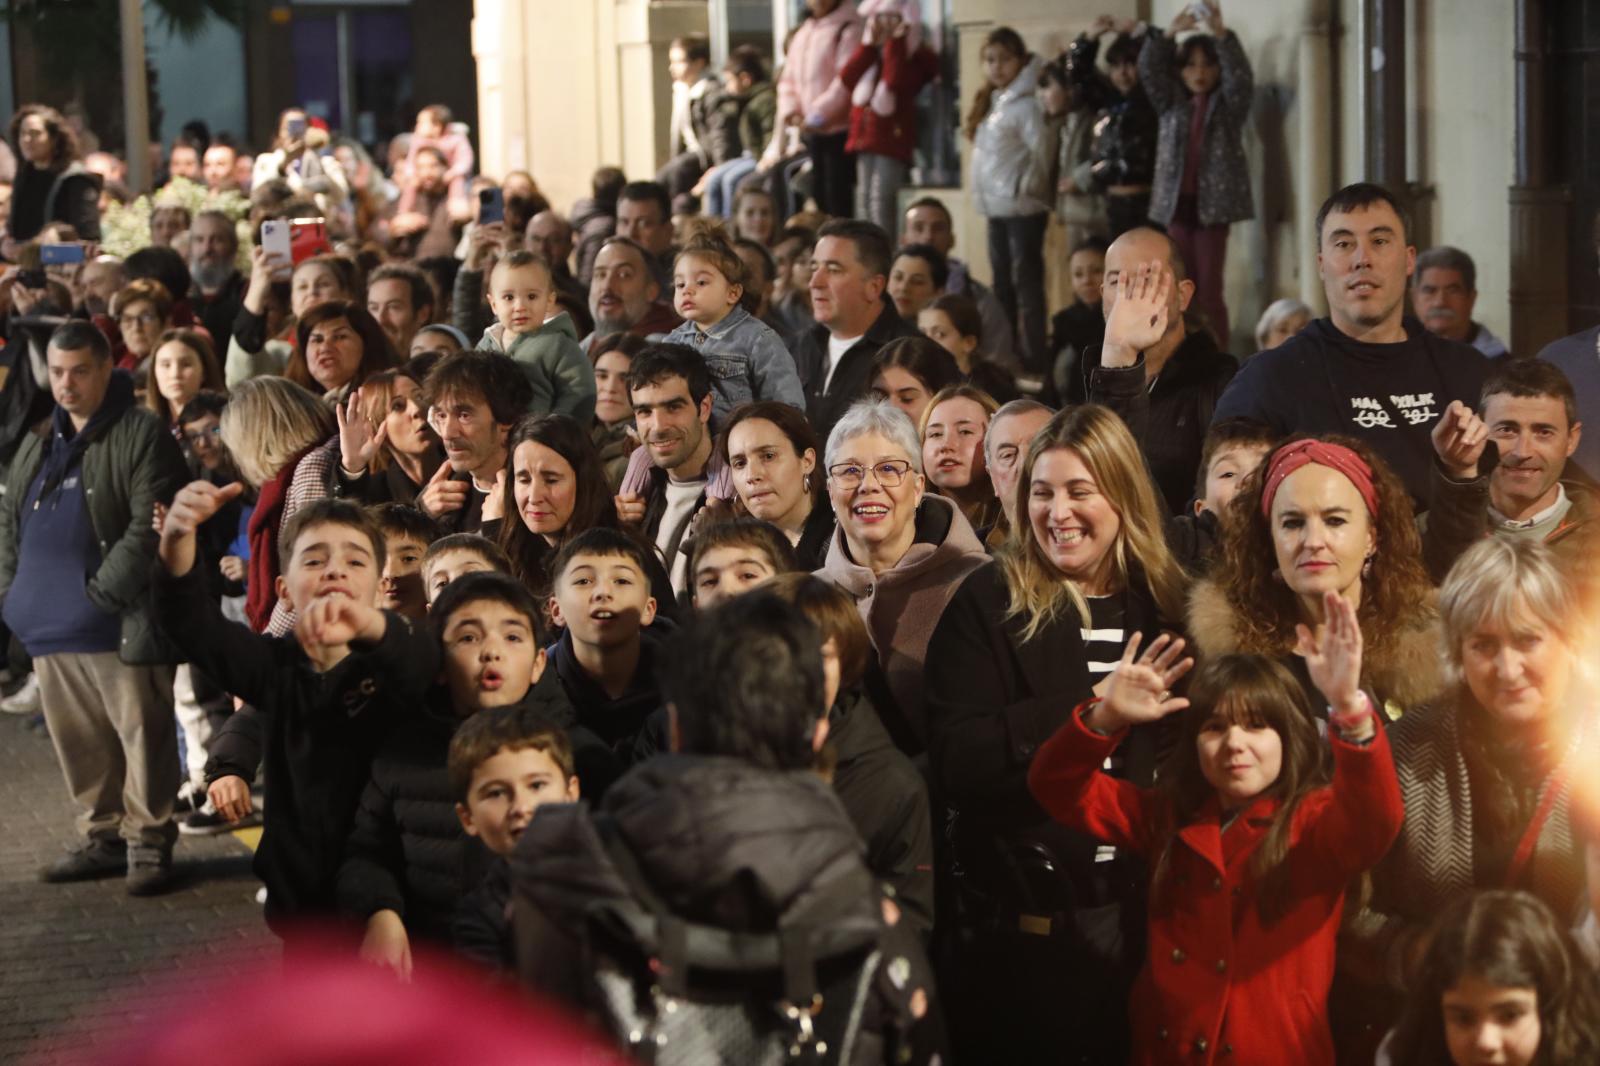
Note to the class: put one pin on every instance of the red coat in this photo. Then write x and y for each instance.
(894, 135)
(1218, 984)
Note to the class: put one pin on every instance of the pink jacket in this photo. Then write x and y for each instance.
(810, 85)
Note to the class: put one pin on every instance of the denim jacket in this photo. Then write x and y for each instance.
(747, 361)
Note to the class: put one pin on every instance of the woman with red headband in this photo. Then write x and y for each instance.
(1324, 514)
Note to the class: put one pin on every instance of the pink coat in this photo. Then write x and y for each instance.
(1219, 985)
(810, 85)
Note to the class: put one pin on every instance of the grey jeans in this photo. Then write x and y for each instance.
(878, 182)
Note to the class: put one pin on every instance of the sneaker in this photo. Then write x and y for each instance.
(190, 799)
(25, 700)
(95, 858)
(149, 876)
(208, 822)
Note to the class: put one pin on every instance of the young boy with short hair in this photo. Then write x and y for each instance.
(324, 699)
(451, 556)
(406, 864)
(522, 293)
(734, 556)
(407, 533)
(504, 764)
(606, 657)
(1233, 448)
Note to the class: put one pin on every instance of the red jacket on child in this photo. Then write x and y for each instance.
(892, 135)
(1219, 985)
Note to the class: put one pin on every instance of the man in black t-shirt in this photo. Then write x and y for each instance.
(1368, 370)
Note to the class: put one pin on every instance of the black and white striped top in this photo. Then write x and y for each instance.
(1103, 641)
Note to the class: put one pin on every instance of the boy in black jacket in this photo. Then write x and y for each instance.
(325, 698)
(504, 764)
(407, 863)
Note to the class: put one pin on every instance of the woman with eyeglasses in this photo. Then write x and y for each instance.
(899, 551)
(142, 310)
(1049, 925)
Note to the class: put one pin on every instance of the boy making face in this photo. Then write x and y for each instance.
(493, 651)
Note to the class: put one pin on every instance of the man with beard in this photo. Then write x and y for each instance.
(661, 493)
(1444, 294)
(218, 286)
(401, 298)
(624, 296)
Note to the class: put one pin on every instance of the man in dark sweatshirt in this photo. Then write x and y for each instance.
(75, 551)
(1367, 370)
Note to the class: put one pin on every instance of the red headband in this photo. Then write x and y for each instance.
(1291, 457)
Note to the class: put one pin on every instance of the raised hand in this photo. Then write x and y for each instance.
(442, 495)
(1333, 655)
(1139, 317)
(1140, 688)
(1459, 438)
(358, 441)
(195, 504)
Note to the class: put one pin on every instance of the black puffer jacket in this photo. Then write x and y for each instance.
(887, 801)
(721, 843)
(406, 851)
(1125, 132)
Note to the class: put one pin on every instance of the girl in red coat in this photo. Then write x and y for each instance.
(1251, 848)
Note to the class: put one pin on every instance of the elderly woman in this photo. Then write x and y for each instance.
(387, 450)
(899, 552)
(773, 455)
(1490, 770)
(282, 438)
(1281, 320)
(1320, 514)
(50, 185)
(341, 345)
(142, 310)
(1022, 642)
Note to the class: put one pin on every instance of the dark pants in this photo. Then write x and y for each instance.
(833, 173)
(1016, 255)
(1124, 213)
(1205, 250)
(679, 175)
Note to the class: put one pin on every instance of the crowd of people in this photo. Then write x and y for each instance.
(716, 598)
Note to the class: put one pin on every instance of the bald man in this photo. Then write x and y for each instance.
(1163, 379)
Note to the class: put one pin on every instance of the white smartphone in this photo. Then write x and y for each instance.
(276, 243)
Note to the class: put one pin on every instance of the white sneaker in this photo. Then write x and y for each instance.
(25, 700)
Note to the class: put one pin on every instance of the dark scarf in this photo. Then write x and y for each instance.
(261, 593)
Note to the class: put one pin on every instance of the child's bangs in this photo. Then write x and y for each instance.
(1246, 690)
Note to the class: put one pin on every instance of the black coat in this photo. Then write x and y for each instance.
(1125, 132)
(316, 733)
(887, 800)
(1170, 419)
(406, 851)
(40, 197)
(853, 376)
(622, 724)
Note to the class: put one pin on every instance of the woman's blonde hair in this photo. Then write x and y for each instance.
(1039, 591)
(268, 422)
(956, 392)
(1504, 580)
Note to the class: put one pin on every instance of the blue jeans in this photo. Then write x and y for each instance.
(724, 183)
(1016, 255)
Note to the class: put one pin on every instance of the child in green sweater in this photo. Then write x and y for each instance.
(522, 293)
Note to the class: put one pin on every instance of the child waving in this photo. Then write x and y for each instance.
(1251, 848)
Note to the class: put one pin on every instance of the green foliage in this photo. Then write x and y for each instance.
(125, 228)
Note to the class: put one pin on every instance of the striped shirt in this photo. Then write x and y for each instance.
(1103, 640)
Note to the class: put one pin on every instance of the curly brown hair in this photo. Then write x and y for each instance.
(1268, 610)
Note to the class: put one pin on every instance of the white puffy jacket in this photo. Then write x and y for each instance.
(1011, 154)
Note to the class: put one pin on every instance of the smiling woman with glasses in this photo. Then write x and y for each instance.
(899, 552)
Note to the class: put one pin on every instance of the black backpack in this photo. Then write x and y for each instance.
(818, 989)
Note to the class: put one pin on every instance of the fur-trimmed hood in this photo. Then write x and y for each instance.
(1404, 672)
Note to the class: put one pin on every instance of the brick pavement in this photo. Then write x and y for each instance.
(82, 955)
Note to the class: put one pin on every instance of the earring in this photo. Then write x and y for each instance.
(1366, 566)
(805, 484)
